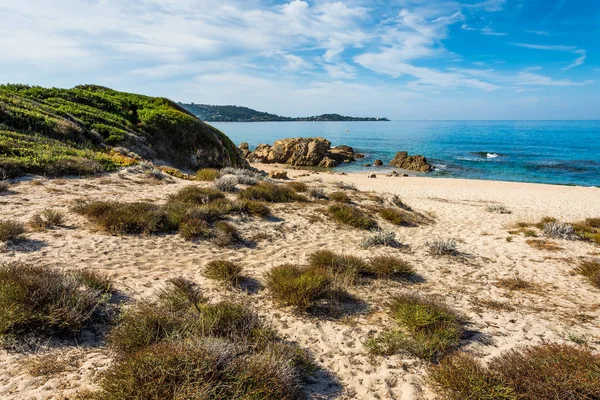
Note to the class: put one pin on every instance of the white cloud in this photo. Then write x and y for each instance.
(572, 49)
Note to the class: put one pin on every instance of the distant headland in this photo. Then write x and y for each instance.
(211, 113)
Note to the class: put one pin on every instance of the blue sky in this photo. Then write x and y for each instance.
(404, 59)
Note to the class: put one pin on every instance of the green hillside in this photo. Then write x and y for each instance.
(90, 128)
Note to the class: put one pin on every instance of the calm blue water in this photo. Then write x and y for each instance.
(559, 152)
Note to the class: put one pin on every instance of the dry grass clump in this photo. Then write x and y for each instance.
(401, 217)
(224, 271)
(397, 201)
(271, 193)
(299, 187)
(11, 230)
(41, 300)
(546, 371)
(180, 347)
(541, 244)
(4, 186)
(514, 284)
(49, 218)
(124, 218)
(207, 174)
(588, 230)
(340, 197)
(498, 209)
(252, 207)
(381, 238)
(559, 230)
(95, 280)
(388, 267)
(225, 234)
(428, 329)
(441, 247)
(196, 195)
(296, 286)
(591, 270)
(350, 215)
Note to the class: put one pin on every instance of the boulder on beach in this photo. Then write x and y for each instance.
(413, 163)
(302, 152)
(278, 174)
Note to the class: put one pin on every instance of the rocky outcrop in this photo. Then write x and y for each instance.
(245, 149)
(378, 163)
(302, 152)
(413, 163)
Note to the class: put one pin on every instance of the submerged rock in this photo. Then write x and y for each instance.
(378, 163)
(303, 152)
(413, 163)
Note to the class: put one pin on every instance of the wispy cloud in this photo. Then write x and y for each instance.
(539, 33)
(571, 49)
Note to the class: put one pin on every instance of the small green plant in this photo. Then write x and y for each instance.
(398, 217)
(299, 187)
(546, 371)
(440, 247)
(124, 218)
(11, 230)
(428, 329)
(591, 270)
(195, 228)
(300, 287)
(224, 271)
(95, 280)
(42, 300)
(343, 269)
(207, 174)
(252, 207)
(225, 234)
(196, 195)
(350, 215)
(340, 197)
(388, 267)
(271, 193)
(49, 218)
(381, 238)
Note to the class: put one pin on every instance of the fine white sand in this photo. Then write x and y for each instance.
(557, 306)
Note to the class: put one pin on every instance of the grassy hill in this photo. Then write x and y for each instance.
(90, 128)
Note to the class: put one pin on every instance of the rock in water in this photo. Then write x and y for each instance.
(378, 162)
(278, 174)
(413, 163)
(303, 152)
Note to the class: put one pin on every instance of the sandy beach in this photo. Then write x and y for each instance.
(554, 306)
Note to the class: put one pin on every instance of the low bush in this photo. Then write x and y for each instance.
(252, 207)
(124, 218)
(300, 287)
(299, 187)
(350, 215)
(11, 230)
(180, 347)
(399, 217)
(207, 174)
(588, 230)
(440, 247)
(224, 271)
(546, 371)
(340, 197)
(271, 193)
(388, 267)
(343, 269)
(225, 234)
(559, 230)
(196, 195)
(428, 329)
(226, 183)
(195, 228)
(43, 300)
(381, 238)
(48, 218)
(591, 270)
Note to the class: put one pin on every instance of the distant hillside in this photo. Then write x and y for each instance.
(91, 128)
(210, 113)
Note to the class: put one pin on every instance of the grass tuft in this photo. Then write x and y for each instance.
(559, 230)
(194, 229)
(350, 215)
(252, 207)
(225, 234)
(124, 218)
(389, 267)
(224, 271)
(591, 270)
(440, 247)
(300, 287)
(381, 238)
(340, 197)
(196, 195)
(546, 371)
(498, 209)
(271, 193)
(298, 186)
(41, 300)
(11, 230)
(428, 329)
(46, 219)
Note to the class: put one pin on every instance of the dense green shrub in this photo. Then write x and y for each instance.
(300, 287)
(224, 271)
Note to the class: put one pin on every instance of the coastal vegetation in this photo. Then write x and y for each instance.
(80, 131)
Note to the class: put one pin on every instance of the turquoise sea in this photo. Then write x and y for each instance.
(557, 152)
